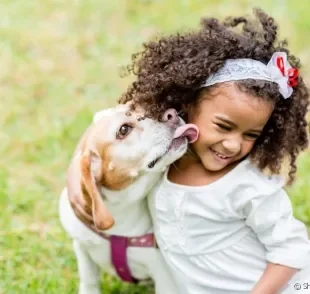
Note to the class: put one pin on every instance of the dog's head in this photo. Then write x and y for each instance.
(122, 145)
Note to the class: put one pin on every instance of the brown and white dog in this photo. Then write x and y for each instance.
(104, 205)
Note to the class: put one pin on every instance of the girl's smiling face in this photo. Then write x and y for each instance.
(229, 122)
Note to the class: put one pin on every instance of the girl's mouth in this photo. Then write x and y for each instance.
(220, 156)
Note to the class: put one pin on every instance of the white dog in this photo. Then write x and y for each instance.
(104, 206)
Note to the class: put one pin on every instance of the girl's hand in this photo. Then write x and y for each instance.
(274, 278)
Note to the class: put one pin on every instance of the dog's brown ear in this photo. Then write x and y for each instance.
(90, 167)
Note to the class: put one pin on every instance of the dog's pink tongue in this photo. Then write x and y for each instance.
(189, 130)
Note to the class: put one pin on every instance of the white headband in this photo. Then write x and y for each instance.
(278, 70)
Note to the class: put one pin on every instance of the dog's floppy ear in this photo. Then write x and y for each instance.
(91, 171)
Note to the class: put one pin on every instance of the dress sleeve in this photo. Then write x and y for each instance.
(269, 213)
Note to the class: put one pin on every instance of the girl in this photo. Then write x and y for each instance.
(222, 224)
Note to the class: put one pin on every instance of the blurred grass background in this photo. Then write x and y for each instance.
(59, 63)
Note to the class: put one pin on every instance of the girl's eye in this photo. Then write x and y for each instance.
(224, 127)
(123, 131)
(252, 136)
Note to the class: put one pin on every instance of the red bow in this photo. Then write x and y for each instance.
(292, 73)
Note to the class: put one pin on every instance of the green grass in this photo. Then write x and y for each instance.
(59, 63)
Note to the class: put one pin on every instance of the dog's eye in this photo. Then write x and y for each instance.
(123, 131)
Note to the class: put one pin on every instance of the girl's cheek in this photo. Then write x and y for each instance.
(248, 146)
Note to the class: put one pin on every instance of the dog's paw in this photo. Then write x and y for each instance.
(89, 289)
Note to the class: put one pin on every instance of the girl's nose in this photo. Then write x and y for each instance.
(232, 145)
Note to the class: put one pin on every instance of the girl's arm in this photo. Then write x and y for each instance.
(268, 212)
(273, 279)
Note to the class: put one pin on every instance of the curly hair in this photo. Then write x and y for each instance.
(170, 71)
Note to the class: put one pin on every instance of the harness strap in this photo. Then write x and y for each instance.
(119, 246)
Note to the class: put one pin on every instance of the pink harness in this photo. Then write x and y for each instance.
(119, 246)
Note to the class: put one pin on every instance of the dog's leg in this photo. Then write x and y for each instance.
(89, 272)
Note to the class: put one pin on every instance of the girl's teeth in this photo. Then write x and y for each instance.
(220, 155)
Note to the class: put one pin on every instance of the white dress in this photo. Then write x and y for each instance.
(217, 239)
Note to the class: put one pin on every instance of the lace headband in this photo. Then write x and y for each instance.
(278, 70)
